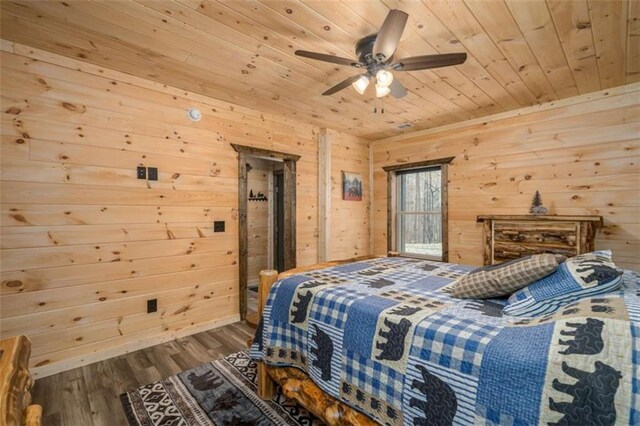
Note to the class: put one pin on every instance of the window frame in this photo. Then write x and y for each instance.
(393, 232)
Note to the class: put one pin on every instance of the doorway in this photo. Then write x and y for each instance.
(285, 210)
(278, 221)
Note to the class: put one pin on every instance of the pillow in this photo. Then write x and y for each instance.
(581, 276)
(504, 278)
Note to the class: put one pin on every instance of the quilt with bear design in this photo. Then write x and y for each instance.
(384, 336)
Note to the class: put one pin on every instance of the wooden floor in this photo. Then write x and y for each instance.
(89, 395)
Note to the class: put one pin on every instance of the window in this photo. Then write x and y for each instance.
(419, 212)
(417, 209)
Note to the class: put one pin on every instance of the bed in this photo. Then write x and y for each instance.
(380, 341)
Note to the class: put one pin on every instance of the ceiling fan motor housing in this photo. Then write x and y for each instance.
(364, 50)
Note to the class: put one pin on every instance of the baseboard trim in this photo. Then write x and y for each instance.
(86, 359)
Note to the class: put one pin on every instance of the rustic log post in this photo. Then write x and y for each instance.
(33, 416)
(487, 242)
(266, 386)
(15, 384)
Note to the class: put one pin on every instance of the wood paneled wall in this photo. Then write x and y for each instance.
(583, 154)
(349, 219)
(258, 219)
(85, 243)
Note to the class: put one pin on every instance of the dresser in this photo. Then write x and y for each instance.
(507, 237)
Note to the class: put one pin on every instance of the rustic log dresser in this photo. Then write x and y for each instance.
(509, 237)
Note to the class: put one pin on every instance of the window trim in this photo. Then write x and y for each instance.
(392, 230)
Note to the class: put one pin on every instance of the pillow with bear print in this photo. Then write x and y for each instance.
(585, 275)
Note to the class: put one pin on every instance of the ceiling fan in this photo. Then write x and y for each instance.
(375, 55)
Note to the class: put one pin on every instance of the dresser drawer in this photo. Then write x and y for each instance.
(514, 239)
(506, 251)
(560, 234)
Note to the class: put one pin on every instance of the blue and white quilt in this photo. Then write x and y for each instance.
(383, 336)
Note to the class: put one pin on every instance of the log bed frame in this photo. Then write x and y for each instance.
(298, 386)
(15, 382)
(295, 383)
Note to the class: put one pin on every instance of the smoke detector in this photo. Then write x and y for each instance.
(194, 114)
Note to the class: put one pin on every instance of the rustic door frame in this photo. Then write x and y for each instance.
(290, 162)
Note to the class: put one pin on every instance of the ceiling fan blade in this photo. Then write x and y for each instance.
(342, 85)
(397, 89)
(389, 35)
(414, 63)
(327, 58)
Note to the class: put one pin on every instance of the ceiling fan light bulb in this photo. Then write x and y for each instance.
(384, 78)
(382, 91)
(361, 84)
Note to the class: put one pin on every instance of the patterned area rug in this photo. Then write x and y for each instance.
(219, 393)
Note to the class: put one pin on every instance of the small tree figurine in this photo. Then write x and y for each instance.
(536, 205)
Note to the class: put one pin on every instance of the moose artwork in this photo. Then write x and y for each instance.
(351, 186)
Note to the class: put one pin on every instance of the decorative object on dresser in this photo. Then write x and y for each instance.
(15, 383)
(536, 205)
(511, 236)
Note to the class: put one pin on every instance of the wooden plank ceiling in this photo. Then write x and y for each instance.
(521, 52)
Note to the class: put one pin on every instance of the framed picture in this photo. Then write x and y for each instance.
(351, 186)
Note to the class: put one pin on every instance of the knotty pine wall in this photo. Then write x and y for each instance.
(583, 154)
(258, 219)
(350, 219)
(85, 244)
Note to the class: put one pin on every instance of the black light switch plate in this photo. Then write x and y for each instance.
(152, 305)
(218, 226)
(153, 173)
(142, 172)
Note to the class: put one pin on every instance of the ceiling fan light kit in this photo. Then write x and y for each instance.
(382, 91)
(384, 78)
(361, 84)
(375, 55)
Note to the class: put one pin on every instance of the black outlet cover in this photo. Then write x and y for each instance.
(142, 172)
(152, 305)
(218, 226)
(153, 173)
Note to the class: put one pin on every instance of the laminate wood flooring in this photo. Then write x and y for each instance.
(89, 395)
